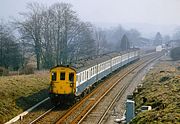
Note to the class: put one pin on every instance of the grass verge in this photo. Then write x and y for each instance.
(18, 93)
(161, 89)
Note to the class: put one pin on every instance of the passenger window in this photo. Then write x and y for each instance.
(71, 77)
(83, 76)
(87, 75)
(53, 76)
(79, 78)
(62, 76)
(91, 72)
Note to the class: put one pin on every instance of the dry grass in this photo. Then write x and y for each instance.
(161, 88)
(18, 93)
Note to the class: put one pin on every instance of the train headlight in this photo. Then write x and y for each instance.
(71, 84)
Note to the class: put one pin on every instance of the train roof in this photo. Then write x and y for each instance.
(90, 62)
(66, 66)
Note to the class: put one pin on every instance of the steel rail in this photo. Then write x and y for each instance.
(41, 116)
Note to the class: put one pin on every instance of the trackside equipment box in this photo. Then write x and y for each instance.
(130, 110)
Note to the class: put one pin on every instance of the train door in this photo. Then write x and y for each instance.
(71, 80)
(62, 83)
(66, 82)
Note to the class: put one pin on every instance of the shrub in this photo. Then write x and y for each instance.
(175, 53)
(163, 79)
(3, 71)
(27, 70)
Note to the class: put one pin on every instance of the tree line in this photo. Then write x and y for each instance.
(55, 35)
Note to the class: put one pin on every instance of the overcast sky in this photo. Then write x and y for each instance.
(159, 12)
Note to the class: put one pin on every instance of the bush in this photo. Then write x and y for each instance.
(27, 70)
(3, 71)
(175, 53)
(163, 79)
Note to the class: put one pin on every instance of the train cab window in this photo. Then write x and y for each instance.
(62, 76)
(71, 77)
(53, 76)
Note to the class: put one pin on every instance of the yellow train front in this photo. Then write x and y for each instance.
(63, 84)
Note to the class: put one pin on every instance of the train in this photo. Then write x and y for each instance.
(68, 83)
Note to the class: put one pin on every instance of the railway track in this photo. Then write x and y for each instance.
(41, 116)
(112, 96)
(79, 112)
(98, 115)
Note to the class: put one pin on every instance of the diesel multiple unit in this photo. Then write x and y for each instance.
(68, 83)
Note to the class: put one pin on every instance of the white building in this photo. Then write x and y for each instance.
(159, 48)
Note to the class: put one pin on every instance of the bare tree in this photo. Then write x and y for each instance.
(83, 45)
(166, 38)
(47, 39)
(57, 36)
(133, 36)
(66, 28)
(52, 30)
(113, 37)
(101, 42)
(176, 35)
(32, 28)
(9, 49)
